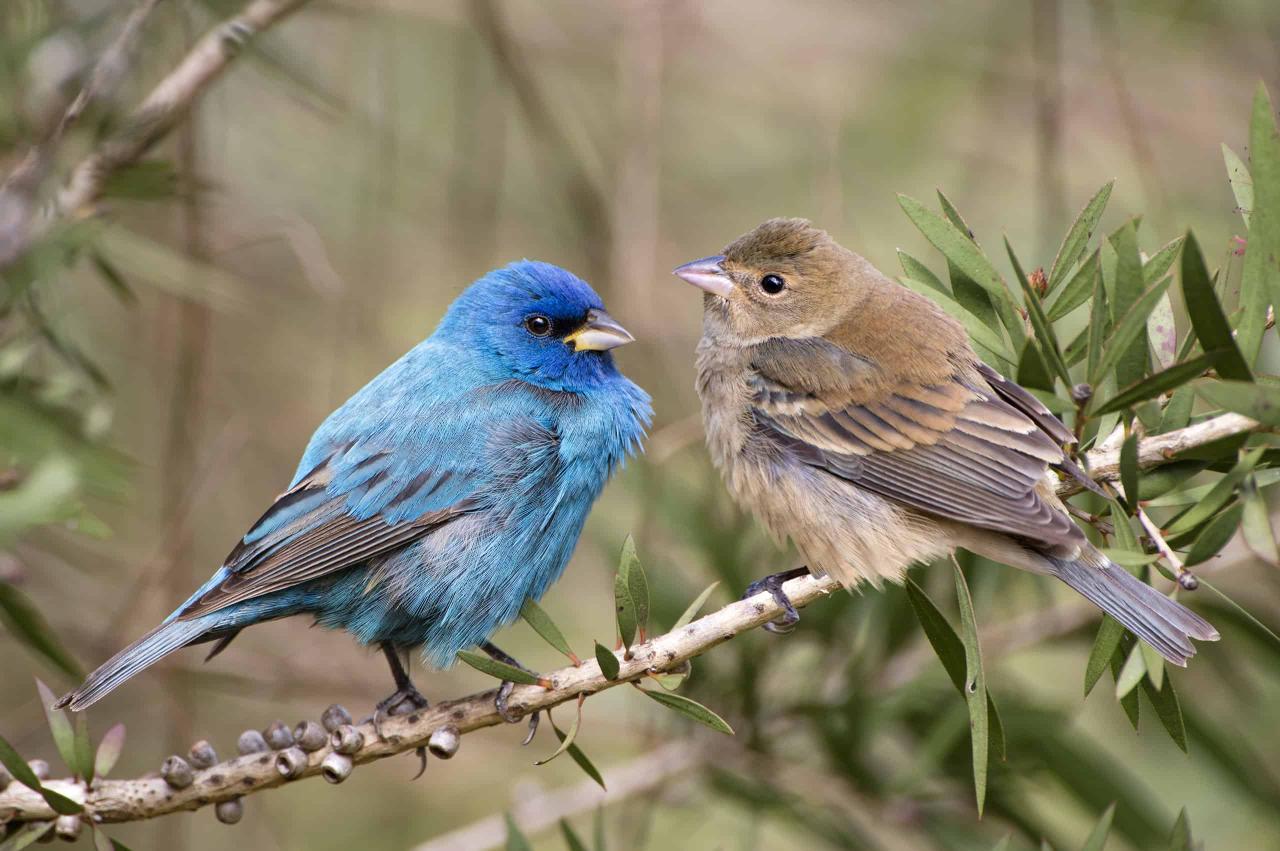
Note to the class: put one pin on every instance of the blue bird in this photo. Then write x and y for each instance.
(436, 499)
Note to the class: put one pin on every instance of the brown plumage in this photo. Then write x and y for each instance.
(853, 416)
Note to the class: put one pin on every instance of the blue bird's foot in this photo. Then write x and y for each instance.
(773, 584)
(504, 690)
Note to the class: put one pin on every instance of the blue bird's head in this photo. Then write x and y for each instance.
(538, 323)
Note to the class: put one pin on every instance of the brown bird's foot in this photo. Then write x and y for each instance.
(773, 584)
(504, 691)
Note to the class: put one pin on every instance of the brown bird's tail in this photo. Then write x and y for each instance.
(1165, 624)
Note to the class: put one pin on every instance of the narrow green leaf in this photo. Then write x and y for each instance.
(1077, 289)
(1099, 325)
(580, 758)
(1260, 277)
(1165, 701)
(1218, 496)
(84, 748)
(1134, 361)
(1177, 413)
(1129, 327)
(516, 841)
(1180, 839)
(1255, 523)
(115, 281)
(1129, 703)
(1097, 840)
(637, 585)
(1241, 182)
(31, 834)
(694, 607)
(917, 271)
(566, 741)
(981, 334)
(1154, 663)
(500, 670)
(1003, 844)
(975, 688)
(1215, 536)
(1206, 314)
(691, 709)
(1129, 470)
(1077, 238)
(109, 750)
(1129, 558)
(1105, 646)
(64, 739)
(1256, 401)
(956, 246)
(1046, 340)
(28, 626)
(571, 839)
(597, 830)
(1162, 332)
(624, 607)
(536, 617)
(609, 665)
(17, 766)
(1153, 385)
(1162, 261)
(1135, 668)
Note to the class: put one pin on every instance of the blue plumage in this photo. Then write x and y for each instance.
(441, 495)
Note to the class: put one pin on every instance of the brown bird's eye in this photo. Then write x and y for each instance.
(537, 325)
(772, 284)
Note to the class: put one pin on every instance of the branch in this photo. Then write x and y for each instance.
(162, 109)
(148, 797)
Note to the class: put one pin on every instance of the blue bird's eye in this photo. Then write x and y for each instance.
(537, 325)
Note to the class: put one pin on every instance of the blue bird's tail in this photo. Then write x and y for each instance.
(155, 645)
(1165, 624)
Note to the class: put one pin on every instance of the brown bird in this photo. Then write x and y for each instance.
(852, 415)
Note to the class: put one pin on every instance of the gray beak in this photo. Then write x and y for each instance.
(599, 333)
(707, 274)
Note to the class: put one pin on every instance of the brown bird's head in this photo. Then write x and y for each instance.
(786, 278)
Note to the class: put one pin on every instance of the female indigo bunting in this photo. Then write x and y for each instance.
(852, 415)
(436, 499)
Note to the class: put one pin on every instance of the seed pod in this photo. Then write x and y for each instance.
(39, 768)
(334, 717)
(310, 736)
(291, 762)
(1188, 581)
(202, 755)
(444, 742)
(278, 736)
(251, 741)
(176, 772)
(229, 812)
(336, 767)
(68, 827)
(1081, 393)
(346, 739)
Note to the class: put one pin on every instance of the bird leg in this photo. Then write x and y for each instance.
(405, 699)
(773, 584)
(504, 691)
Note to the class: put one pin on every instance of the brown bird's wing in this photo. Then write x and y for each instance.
(957, 448)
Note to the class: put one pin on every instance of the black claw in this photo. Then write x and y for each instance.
(533, 727)
(773, 584)
(504, 690)
(422, 763)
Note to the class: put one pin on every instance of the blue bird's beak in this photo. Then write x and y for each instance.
(599, 333)
(707, 274)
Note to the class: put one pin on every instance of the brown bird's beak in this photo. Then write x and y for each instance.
(707, 274)
(599, 333)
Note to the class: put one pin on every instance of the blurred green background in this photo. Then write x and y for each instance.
(366, 160)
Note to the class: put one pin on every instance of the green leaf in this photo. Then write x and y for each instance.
(1134, 361)
(1077, 238)
(31, 834)
(1154, 663)
(1128, 328)
(597, 829)
(1177, 413)
(1097, 840)
(571, 839)
(516, 841)
(1045, 339)
(27, 625)
(1129, 558)
(109, 750)
(1153, 385)
(1105, 646)
(115, 281)
(637, 584)
(21, 772)
(1217, 497)
(1129, 703)
(956, 246)
(609, 665)
(624, 607)
(1078, 289)
(1207, 319)
(1215, 536)
(1162, 261)
(500, 670)
(975, 690)
(1260, 277)
(917, 271)
(84, 748)
(64, 739)
(1256, 523)
(982, 335)
(580, 758)
(536, 617)
(691, 709)
(1162, 332)
(1165, 701)
(566, 741)
(1180, 839)
(1099, 325)
(694, 607)
(1135, 668)
(1241, 182)
(1256, 401)
(1129, 470)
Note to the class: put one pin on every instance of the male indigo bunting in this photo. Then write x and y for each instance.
(852, 415)
(436, 499)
